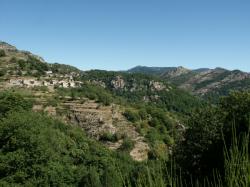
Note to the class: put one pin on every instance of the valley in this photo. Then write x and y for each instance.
(105, 124)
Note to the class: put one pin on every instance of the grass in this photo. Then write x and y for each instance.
(237, 170)
(237, 164)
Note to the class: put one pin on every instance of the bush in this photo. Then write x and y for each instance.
(13, 60)
(131, 115)
(2, 73)
(143, 114)
(105, 99)
(38, 151)
(13, 102)
(109, 137)
(127, 145)
(158, 151)
(2, 53)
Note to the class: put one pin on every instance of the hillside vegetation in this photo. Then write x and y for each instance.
(60, 126)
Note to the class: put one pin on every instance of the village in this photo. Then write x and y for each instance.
(49, 80)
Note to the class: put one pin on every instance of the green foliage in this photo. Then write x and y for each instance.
(159, 151)
(237, 160)
(2, 53)
(143, 114)
(33, 64)
(53, 101)
(2, 73)
(40, 88)
(171, 98)
(63, 69)
(209, 129)
(10, 101)
(13, 60)
(89, 91)
(131, 115)
(109, 137)
(236, 108)
(36, 150)
(127, 145)
(198, 147)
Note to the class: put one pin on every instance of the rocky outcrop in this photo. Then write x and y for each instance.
(175, 72)
(118, 83)
(98, 83)
(157, 86)
(98, 120)
(140, 151)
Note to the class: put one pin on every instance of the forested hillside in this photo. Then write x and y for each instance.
(61, 126)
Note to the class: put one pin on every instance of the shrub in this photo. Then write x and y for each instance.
(127, 144)
(2, 53)
(143, 114)
(158, 151)
(39, 151)
(131, 115)
(13, 102)
(107, 136)
(2, 73)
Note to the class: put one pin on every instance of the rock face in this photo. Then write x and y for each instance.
(216, 80)
(118, 83)
(92, 117)
(158, 86)
(203, 81)
(98, 120)
(175, 72)
(140, 151)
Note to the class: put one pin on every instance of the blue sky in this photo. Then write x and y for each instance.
(120, 34)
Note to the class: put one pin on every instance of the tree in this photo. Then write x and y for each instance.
(36, 150)
(201, 151)
(10, 101)
(2, 73)
(236, 111)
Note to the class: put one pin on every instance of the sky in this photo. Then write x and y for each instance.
(121, 34)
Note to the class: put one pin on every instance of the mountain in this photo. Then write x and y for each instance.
(61, 126)
(150, 70)
(203, 82)
(143, 105)
(114, 108)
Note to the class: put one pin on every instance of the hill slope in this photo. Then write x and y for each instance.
(203, 82)
(133, 113)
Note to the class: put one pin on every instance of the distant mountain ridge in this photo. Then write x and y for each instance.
(150, 70)
(204, 81)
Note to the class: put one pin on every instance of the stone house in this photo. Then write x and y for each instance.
(16, 82)
(31, 82)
